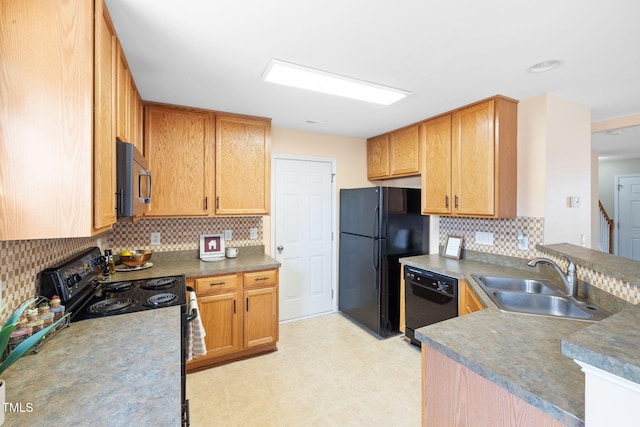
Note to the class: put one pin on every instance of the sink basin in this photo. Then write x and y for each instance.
(550, 305)
(530, 286)
(536, 296)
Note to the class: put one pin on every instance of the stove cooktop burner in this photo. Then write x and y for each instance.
(117, 286)
(110, 306)
(161, 299)
(161, 283)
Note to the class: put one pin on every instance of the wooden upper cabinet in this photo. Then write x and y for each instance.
(484, 159)
(404, 152)
(46, 119)
(128, 104)
(378, 157)
(394, 154)
(178, 146)
(435, 137)
(469, 161)
(243, 165)
(104, 154)
(123, 90)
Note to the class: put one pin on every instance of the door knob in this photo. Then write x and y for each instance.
(280, 248)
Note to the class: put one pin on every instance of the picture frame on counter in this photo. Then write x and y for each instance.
(211, 247)
(453, 246)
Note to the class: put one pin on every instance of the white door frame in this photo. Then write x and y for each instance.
(616, 207)
(334, 221)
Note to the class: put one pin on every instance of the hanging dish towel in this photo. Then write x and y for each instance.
(196, 333)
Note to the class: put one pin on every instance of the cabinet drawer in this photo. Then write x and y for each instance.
(216, 284)
(260, 278)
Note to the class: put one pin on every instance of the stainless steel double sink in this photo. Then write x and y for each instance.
(536, 296)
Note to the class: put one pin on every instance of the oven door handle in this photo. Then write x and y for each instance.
(194, 312)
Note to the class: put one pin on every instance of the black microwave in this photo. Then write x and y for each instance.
(133, 181)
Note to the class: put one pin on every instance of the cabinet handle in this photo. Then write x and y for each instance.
(217, 202)
(446, 202)
(206, 203)
(456, 202)
(217, 283)
(258, 279)
(234, 306)
(247, 304)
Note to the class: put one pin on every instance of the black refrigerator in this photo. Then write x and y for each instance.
(378, 225)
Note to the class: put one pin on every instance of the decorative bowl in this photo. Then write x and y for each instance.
(137, 258)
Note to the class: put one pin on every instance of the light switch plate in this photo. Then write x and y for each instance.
(155, 239)
(253, 233)
(228, 235)
(484, 238)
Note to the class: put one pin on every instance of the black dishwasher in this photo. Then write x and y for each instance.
(429, 298)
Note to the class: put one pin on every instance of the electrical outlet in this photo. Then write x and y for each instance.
(523, 241)
(253, 233)
(228, 235)
(484, 238)
(155, 239)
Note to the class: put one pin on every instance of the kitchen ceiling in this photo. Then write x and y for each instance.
(212, 53)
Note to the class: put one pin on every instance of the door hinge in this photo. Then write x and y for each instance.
(332, 236)
(331, 293)
(333, 175)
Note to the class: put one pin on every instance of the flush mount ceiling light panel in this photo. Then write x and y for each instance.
(544, 66)
(288, 74)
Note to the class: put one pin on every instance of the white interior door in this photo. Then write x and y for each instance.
(303, 217)
(628, 216)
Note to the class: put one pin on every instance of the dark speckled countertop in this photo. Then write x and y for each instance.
(523, 353)
(188, 263)
(112, 371)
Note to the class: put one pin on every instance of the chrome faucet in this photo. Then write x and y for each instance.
(569, 279)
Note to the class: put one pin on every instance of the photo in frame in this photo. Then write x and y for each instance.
(453, 247)
(212, 247)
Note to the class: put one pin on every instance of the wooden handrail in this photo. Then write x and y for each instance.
(611, 225)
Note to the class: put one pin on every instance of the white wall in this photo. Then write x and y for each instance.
(554, 162)
(532, 125)
(568, 172)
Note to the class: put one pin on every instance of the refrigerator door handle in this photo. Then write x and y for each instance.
(376, 222)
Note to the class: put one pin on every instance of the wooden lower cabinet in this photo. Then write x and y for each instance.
(239, 312)
(468, 302)
(454, 395)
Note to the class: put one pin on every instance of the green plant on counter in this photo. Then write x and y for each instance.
(27, 344)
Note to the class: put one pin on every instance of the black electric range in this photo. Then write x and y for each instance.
(87, 294)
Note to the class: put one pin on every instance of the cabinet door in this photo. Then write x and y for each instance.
(378, 157)
(46, 119)
(123, 92)
(473, 160)
(135, 117)
(404, 153)
(104, 153)
(178, 146)
(435, 137)
(469, 302)
(221, 321)
(243, 165)
(261, 316)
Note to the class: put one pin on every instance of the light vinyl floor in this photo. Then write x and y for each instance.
(327, 372)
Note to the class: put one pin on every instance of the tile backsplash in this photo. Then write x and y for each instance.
(21, 261)
(179, 234)
(505, 233)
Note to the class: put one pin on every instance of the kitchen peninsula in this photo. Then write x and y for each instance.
(509, 367)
